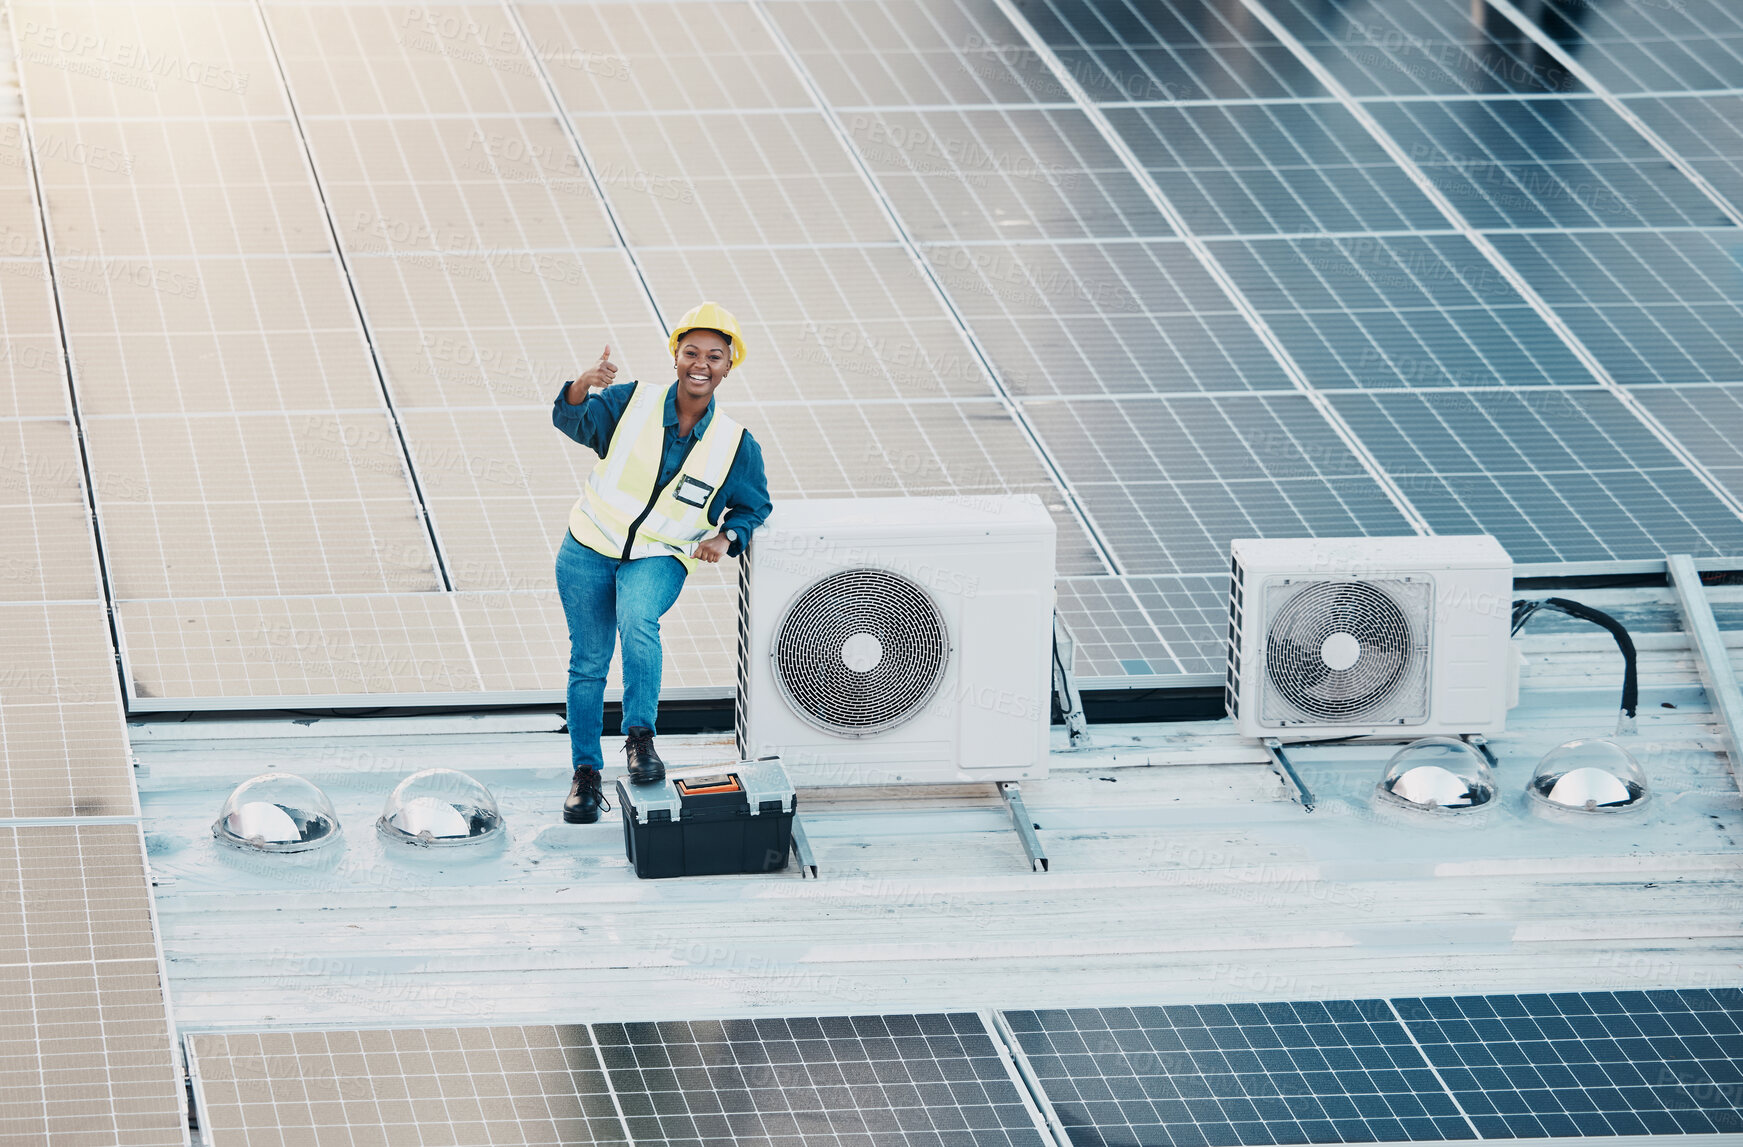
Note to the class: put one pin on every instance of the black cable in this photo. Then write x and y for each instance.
(1523, 609)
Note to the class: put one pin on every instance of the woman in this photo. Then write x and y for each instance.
(671, 469)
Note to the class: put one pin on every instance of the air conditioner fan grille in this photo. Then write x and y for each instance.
(889, 679)
(1332, 611)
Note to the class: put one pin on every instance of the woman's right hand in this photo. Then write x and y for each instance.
(600, 374)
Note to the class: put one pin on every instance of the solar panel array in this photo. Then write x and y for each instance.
(1189, 270)
(86, 1053)
(1503, 1067)
(1573, 1064)
(890, 1081)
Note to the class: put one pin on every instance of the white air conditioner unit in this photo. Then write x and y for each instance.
(1338, 637)
(898, 640)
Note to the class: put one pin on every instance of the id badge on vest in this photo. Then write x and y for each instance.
(692, 492)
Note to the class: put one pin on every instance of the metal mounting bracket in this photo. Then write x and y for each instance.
(1714, 660)
(802, 850)
(1013, 798)
(1280, 763)
(1481, 744)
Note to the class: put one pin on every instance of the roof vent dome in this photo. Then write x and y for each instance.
(1589, 776)
(277, 812)
(1437, 774)
(440, 807)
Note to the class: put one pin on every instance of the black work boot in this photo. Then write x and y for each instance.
(645, 766)
(585, 798)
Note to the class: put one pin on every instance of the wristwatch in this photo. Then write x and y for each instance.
(730, 534)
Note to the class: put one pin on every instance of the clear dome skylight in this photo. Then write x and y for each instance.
(440, 807)
(1439, 774)
(1592, 775)
(277, 812)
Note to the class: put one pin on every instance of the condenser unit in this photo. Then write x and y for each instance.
(1336, 637)
(898, 640)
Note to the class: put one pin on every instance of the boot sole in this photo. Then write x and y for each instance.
(579, 818)
(647, 778)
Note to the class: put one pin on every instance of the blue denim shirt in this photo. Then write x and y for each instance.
(743, 496)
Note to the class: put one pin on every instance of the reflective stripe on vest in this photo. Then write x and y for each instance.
(619, 489)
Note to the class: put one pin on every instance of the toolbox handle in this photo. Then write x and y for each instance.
(719, 783)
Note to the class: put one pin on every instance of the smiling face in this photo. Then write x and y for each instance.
(704, 357)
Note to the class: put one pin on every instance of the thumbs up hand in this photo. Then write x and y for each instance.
(600, 374)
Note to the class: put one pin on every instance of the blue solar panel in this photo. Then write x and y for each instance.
(1588, 1063)
(1340, 1072)
(866, 1081)
(1360, 1071)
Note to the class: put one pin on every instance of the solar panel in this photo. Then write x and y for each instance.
(63, 751)
(870, 53)
(1103, 318)
(1555, 475)
(1383, 311)
(214, 336)
(1111, 639)
(1689, 45)
(1192, 615)
(1171, 480)
(1172, 50)
(85, 1048)
(1587, 1063)
(1415, 47)
(1339, 1072)
(619, 57)
(1142, 626)
(1653, 307)
(1545, 163)
(1705, 130)
(1002, 174)
(1704, 420)
(901, 1080)
(844, 323)
(1421, 1070)
(1273, 168)
(392, 1085)
(386, 60)
(148, 61)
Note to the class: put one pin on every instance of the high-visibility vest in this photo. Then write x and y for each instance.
(620, 498)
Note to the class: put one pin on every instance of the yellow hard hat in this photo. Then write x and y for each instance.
(713, 317)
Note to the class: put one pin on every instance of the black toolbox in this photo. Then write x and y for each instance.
(709, 820)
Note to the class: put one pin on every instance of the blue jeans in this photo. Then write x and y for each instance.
(603, 599)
